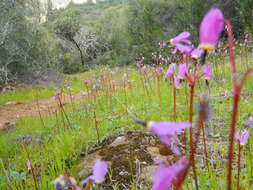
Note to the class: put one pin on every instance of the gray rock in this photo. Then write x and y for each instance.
(131, 156)
(7, 126)
(121, 140)
(28, 139)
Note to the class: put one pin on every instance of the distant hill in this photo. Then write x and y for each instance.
(91, 12)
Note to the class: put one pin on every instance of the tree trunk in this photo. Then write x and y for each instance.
(80, 51)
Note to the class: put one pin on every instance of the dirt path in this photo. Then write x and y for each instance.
(12, 111)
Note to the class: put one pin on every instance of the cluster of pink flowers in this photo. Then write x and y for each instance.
(210, 30)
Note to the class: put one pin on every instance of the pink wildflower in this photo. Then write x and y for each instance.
(243, 137)
(196, 53)
(29, 164)
(182, 71)
(208, 72)
(176, 82)
(210, 29)
(184, 49)
(99, 172)
(167, 132)
(164, 176)
(170, 70)
(181, 37)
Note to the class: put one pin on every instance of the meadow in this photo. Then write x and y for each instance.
(186, 116)
(111, 98)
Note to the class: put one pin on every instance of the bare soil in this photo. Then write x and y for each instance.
(12, 111)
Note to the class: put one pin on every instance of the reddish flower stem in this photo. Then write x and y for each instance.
(71, 99)
(125, 93)
(235, 102)
(32, 170)
(231, 140)
(205, 149)
(236, 98)
(89, 185)
(237, 91)
(238, 166)
(174, 103)
(63, 111)
(34, 178)
(143, 83)
(192, 159)
(159, 89)
(96, 126)
(231, 52)
(202, 116)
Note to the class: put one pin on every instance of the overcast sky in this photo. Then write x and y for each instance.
(63, 3)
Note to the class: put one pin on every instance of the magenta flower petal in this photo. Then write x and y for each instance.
(170, 70)
(99, 171)
(165, 140)
(175, 149)
(184, 49)
(210, 29)
(167, 128)
(186, 41)
(164, 175)
(174, 51)
(180, 37)
(182, 71)
(196, 53)
(29, 164)
(77, 187)
(207, 72)
(243, 138)
(176, 82)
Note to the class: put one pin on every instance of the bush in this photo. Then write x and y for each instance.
(69, 65)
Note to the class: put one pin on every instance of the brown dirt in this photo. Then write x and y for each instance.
(16, 110)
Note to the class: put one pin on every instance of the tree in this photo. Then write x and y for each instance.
(24, 42)
(67, 27)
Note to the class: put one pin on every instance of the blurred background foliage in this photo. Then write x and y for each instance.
(38, 43)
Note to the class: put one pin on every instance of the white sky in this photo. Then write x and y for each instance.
(63, 3)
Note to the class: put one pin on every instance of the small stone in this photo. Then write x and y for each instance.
(148, 173)
(121, 140)
(12, 103)
(124, 173)
(155, 153)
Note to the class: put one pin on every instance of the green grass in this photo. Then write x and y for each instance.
(60, 146)
(30, 92)
(26, 95)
